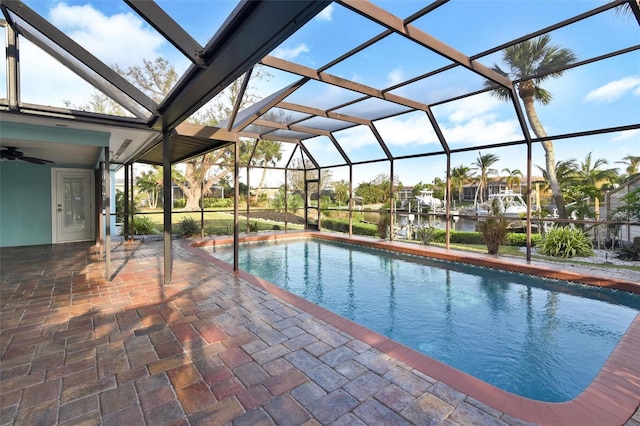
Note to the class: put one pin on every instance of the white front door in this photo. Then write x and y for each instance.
(72, 193)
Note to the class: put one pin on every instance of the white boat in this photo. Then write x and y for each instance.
(510, 204)
(426, 199)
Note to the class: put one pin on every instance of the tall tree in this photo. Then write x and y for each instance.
(459, 176)
(591, 172)
(593, 178)
(156, 78)
(483, 165)
(268, 153)
(632, 162)
(150, 184)
(341, 191)
(531, 63)
(514, 177)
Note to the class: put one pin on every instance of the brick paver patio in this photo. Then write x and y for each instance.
(211, 348)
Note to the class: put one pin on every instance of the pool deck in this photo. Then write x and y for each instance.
(223, 347)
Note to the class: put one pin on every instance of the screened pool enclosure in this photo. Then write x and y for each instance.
(346, 91)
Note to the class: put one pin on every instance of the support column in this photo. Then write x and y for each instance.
(132, 204)
(529, 171)
(248, 194)
(236, 185)
(448, 204)
(125, 231)
(391, 203)
(350, 200)
(319, 193)
(286, 201)
(13, 69)
(99, 200)
(107, 214)
(167, 204)
(202, 200)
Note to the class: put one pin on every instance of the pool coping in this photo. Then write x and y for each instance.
(612, 397)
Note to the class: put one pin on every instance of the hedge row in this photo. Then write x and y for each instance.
(209, 203)
(515, 239)
(438, 236)
(359, 228)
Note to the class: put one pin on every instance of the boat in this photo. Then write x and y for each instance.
(426, 199)
(510, 204)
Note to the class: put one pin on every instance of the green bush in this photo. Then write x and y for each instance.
(517, 239)
(189, 227)
(142, 225)
(179, 203)
(426, 235)
(566, 242)
(217, 203)
(383, 225)
(629, 253)
(341, 225)
(494, 233)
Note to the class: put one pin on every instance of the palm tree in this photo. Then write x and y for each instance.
(483, 164)
(566, 171)
(591, 174)
(514, 177)
(150, 183)
(531, 63)
(632, 162)
(459, 176)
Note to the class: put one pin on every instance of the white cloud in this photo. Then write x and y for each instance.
(629, 134)
(482, 130)
(413, 129)
(472, 106)
(355, 138)
(326, 14)
(395, 76)
(475, 121)
(122, 38)
(614, 90)
(290, 53)
(37, 72)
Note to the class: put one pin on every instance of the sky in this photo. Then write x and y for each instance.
(601, 94)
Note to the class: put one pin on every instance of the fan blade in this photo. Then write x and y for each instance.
(7, 155)
(35, 160)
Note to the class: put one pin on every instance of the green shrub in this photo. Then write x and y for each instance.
(566, 242)
(464, 237)
(142, 225)
(358, 228)
(517, 239)
(494, 230)
(494, 233)
(629, 253)
(189, 227)
(179, 203)
(426, 235)
(383, 225)
(217, 203)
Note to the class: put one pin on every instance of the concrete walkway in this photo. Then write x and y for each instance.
(211, 348)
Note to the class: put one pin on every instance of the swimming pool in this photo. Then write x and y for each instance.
(541, 339)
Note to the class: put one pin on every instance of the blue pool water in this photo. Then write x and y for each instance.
(541, 339)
